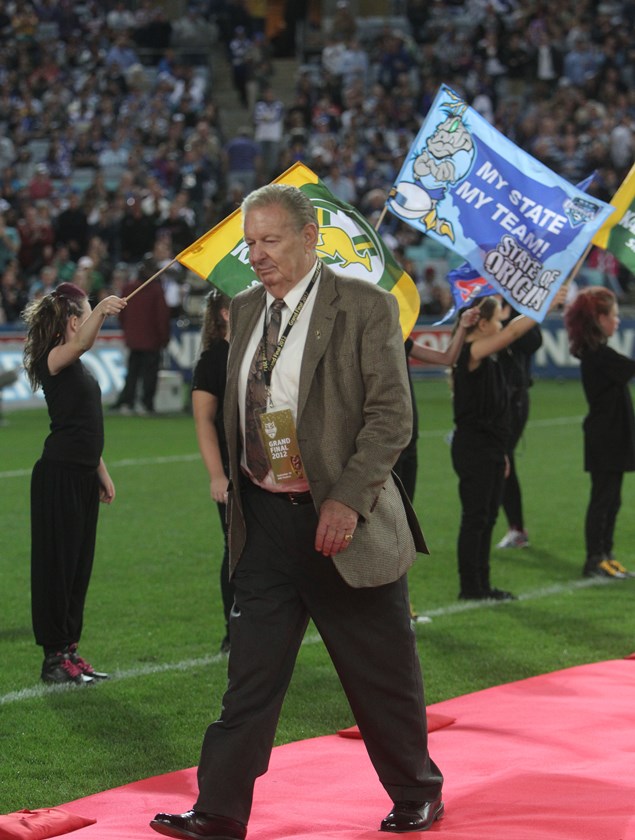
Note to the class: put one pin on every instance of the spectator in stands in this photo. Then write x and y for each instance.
(121, 55)
(193, 36)
(269, 118)
(354, 65)
(195, 180)
(343, 23)
(13, 293)
(582, 63)
(239, 50)
(137, 232)
(36, 233)
(242, 160)
(171, 277)
(9, 238)
(178, 228)
(120, 18)
(7, 152)
(62, 262)
(547, 63)
(71, 227)
(394, 60)
(40, 185)
(340, 184)
(154, 201)
(153, 34)
(114, 157)
(45, 283)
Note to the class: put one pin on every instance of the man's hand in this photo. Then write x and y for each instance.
(336, 527)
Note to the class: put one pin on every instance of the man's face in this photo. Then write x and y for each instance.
(279, 254)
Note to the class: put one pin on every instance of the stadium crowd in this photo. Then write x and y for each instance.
(111, 138)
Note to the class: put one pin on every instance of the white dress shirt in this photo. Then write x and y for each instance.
(285, 377)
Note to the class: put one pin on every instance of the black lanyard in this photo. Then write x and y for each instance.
(268, 366)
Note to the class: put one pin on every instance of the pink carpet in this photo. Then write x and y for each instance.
(547, 758)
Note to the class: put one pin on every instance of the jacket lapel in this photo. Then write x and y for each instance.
(243, 322)
(319, 333)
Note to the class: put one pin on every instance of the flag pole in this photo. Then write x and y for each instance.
(381, 217)
(149, 280)
(576, 268)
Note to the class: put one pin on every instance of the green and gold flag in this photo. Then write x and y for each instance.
(347, 243)
(617, 234)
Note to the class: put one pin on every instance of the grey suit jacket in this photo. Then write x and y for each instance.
(354, 418)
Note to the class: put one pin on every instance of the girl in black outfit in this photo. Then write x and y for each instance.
(208, 391)
(481, 440)
(70, 478)
(609, 427)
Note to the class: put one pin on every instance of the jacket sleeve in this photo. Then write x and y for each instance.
(386, 411)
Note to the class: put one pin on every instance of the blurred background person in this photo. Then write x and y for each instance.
(208, 392)
(516, 362)
(146, 331)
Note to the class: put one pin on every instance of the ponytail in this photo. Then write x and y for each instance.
(46, 319)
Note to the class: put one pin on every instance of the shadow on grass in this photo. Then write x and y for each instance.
(15, 634)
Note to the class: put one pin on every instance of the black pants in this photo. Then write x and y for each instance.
(143, 369)
(481, 476)
(512, 498)
(64, 511)
(280, 582)
(602, 510)
(226, 586)
(406, 468)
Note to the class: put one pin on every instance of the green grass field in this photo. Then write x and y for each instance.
(154, 616)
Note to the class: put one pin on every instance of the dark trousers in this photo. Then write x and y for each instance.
(64, 511)
(512, 498)
(481, 476)
(279, 583)
(226, 585)
(602, 510)
(143, 369)
(406, 468)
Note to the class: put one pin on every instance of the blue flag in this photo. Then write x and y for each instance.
(521, 226)
(466, 285)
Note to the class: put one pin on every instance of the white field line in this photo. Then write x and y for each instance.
(533, 595)
(42, 690)
(126, 462)
(194, 456)
(310, 639)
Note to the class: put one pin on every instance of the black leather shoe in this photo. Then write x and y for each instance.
(413, 816)
(472, 595)
(196, 825)
(500, 595)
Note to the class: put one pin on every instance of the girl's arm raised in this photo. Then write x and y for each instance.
(81, 334)
(486, 345)
(447, 357)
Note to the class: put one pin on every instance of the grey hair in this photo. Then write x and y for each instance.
(297, 204)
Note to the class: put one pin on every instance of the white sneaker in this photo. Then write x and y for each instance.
(514, 539)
